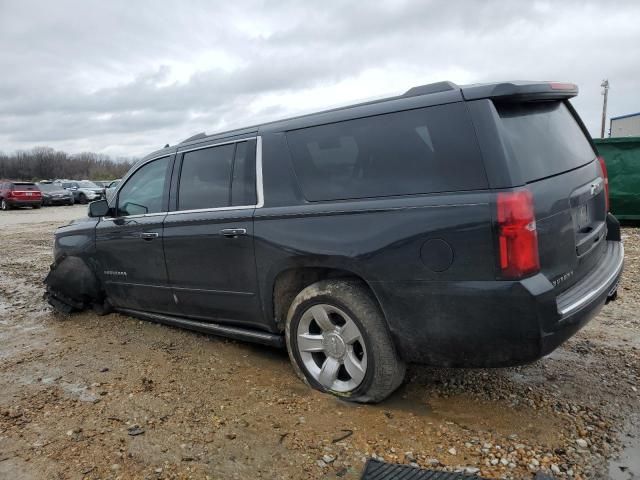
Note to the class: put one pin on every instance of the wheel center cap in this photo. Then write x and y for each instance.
(334, 345)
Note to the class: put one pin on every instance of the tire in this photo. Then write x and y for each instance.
(369, 367)
(4, 205)
(35, 207)
(102, 308)
(82, 199)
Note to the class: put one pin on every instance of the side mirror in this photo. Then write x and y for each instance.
(99, 208)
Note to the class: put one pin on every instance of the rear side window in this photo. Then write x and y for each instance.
(545, 138)
(425, 150)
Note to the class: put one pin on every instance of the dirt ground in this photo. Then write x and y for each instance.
(113, 397)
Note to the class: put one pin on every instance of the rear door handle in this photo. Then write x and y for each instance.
(148, 235)
(233, 232)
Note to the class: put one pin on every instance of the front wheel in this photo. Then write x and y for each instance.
(82, 199)
(338, 342)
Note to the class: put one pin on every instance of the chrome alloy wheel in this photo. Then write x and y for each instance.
(332, 348)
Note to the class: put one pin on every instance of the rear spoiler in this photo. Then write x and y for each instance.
(520, 91)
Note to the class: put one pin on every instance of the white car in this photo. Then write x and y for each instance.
(84, 191)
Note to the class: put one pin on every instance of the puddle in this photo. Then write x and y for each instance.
(408, 400)
(81, 392)
(627, 465)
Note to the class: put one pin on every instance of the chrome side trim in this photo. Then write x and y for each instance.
(211, 145)
(598, 290)
(259, 181)
(157, 214)
(215, 209)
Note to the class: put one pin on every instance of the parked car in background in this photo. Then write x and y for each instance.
(19, 194)
(55, 194)
(450, 226)
(83, 190)
(111, 188)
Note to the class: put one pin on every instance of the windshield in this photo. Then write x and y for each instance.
(87, 184)
(48, 187)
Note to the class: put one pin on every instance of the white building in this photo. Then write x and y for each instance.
(625, 125)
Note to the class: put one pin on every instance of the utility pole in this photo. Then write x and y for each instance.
(605, 93)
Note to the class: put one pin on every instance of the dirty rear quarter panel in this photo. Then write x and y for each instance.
(380, 241)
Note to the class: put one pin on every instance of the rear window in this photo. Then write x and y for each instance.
(418, 151)
(24, 186)
(545, 138)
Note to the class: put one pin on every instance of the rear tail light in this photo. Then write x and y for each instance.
(563, 86)
(517, 236)
(605, 175)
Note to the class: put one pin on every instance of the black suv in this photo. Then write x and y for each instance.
(450, 226)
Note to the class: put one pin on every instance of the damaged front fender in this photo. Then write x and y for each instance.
(72, 285)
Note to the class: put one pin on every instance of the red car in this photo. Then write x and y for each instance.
(19, 194)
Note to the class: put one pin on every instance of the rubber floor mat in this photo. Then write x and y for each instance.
(376, 470)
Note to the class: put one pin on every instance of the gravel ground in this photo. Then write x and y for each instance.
(112, 397)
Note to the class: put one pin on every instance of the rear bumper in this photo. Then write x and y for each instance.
(23, 203)
(493, 323)
(584, 300)
(58, 201)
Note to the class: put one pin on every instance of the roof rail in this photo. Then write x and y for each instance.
(431, 88)
(197, 136)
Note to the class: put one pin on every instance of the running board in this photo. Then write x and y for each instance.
(235, 333)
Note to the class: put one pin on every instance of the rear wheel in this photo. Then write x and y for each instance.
(36, 206)
(82, 198)
(4, 205)
(338, 342)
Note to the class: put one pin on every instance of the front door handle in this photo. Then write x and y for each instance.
(148, 235)
(233, 232)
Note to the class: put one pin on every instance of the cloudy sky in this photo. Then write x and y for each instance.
(126, 77)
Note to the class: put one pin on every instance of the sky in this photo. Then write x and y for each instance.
(124, 78)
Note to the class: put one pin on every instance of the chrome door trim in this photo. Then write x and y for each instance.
(211, 145)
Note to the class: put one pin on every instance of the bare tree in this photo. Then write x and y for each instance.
(42, 163)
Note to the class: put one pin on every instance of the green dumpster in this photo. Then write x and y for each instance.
(622, 157)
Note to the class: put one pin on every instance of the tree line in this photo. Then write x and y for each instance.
(44, 163)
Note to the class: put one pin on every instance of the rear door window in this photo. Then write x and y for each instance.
(218, 177)
(205, 179)
(426, 150)
(243, 182)
(544, 137)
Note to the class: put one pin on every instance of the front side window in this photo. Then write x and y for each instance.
(144, 191)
